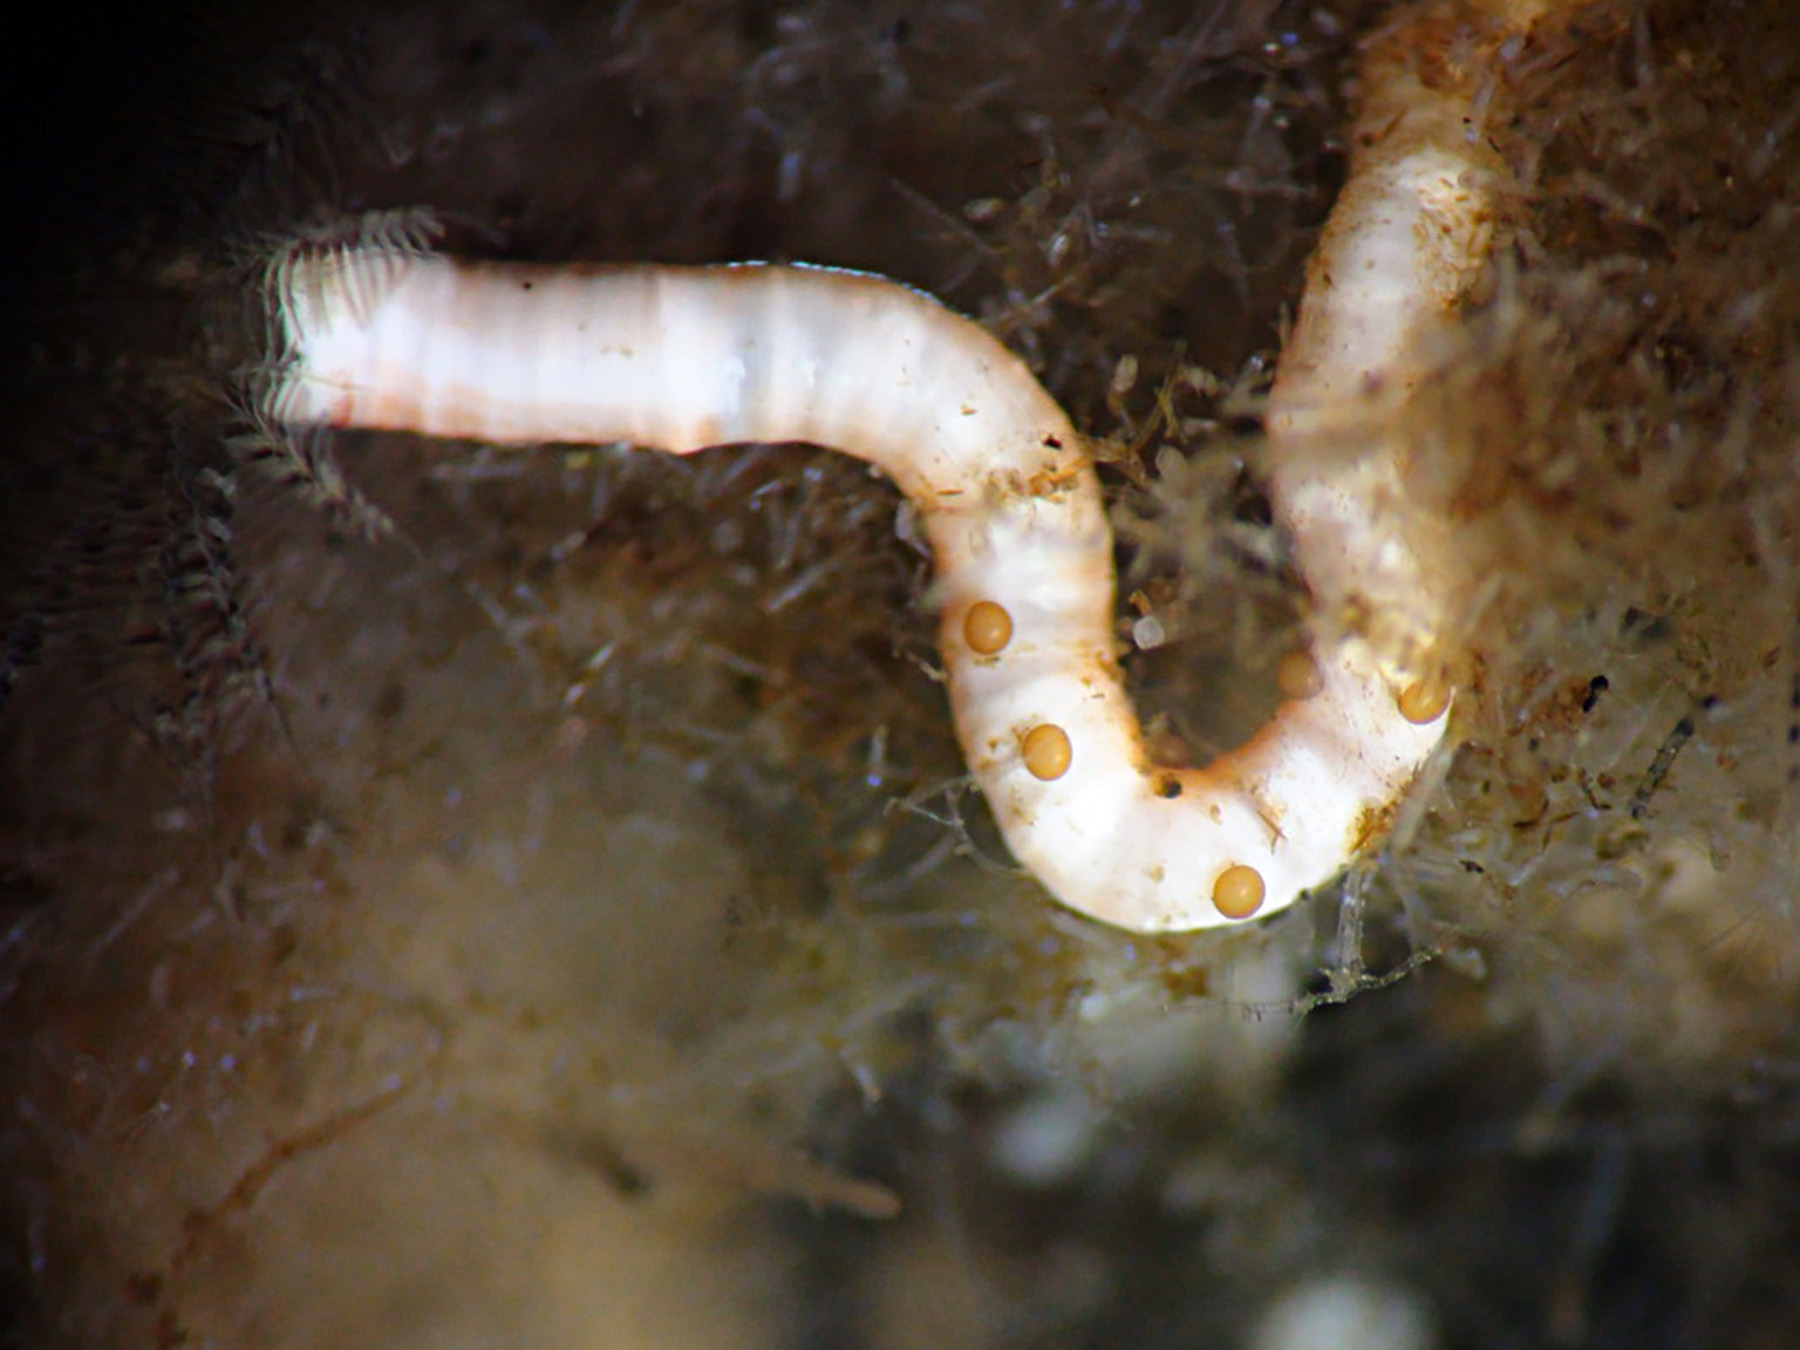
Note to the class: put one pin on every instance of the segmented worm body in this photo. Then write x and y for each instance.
(686, 358)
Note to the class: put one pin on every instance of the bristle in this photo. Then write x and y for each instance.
(301, 459)
(204, 615)
(356, 259)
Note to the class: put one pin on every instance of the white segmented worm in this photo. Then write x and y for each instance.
(686, 358)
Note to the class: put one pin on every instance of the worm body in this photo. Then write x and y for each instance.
(685, 358)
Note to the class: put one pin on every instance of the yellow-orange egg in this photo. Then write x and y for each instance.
(1047, 751)
(1238, 891)
(1424, 700)
(987, 628)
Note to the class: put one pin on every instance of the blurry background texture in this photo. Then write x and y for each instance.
(452, 897)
